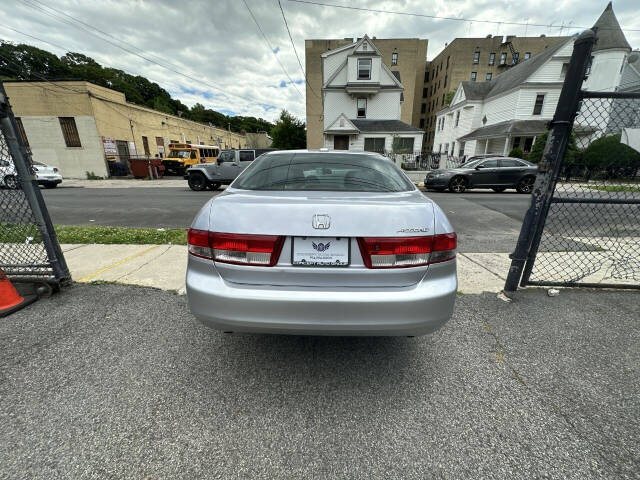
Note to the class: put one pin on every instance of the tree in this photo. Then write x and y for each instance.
(448, 98)
(535, 154)
(289, 132)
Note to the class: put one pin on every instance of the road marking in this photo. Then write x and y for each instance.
(124, 260)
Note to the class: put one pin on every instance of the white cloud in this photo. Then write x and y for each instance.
(219, 44)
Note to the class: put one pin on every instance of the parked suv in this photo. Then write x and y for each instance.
(226, 168)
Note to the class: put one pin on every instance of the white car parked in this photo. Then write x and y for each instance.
(46, 175)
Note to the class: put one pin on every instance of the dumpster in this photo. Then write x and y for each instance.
(146, 167)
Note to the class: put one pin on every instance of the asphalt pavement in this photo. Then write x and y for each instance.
(106, 381)
(485, 221)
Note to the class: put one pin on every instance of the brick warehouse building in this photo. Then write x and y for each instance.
(78, 126)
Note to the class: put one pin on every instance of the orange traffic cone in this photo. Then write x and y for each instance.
(10, 300)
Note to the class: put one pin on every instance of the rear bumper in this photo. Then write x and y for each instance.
(414, 310)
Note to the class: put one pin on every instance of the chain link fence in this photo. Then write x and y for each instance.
(592, 231)
(28, 246)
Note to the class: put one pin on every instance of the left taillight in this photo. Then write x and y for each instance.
(399, 252)
(239, 249)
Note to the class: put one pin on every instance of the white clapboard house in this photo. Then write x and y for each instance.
(510, 111)
(362, 100)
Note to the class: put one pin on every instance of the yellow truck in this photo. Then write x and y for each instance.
(183, 155)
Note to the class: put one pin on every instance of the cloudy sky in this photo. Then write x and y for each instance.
(212, 52)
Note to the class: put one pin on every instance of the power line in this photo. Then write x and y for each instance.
(295, 51)
(272, 49)
(438, 17)
(91, 32)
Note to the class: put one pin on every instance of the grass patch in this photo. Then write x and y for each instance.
(615, 188)
(16, 233)
(115, 235)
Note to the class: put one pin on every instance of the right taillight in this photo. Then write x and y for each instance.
(239, 249)
(403, 252)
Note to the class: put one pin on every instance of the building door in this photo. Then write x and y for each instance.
(341, 142)
(123, 151)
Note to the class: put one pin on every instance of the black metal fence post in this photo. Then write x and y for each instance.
(551, 161)
(31, 190)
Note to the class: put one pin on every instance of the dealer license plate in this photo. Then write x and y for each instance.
(320, 251)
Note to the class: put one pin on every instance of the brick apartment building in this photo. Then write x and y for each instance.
(471, 59)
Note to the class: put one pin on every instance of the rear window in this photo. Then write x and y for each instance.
(328, 172)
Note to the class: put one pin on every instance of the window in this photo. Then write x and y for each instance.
(23, 134)
(145, 145)
(489, 163)
(403, 144)
(423, 108)
(373, 144)
(537, 108)
(509, 162)
(426, 77)
(503, 58)
(445, 81)
(476, 57)
(457, 118)
(429, 107)
(461, 150)
(364, 69)
(527, 55)
(422, 123)
(227, 156)
(516, 57)
(448, 58)
(424, 93)
(489, 76)
(247, 155)
(70, 131)
(327, 172)
(474, 75)
(362, 108)
(492, 58)
(394, 58)
(443, 95)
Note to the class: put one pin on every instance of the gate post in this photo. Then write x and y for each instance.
(31, 190)
(550, 163)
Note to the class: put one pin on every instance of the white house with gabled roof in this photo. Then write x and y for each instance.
(361, 101)
(510, 111)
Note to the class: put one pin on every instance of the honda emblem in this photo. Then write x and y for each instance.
(321, 222)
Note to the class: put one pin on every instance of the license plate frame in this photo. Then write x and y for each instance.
(295, 263)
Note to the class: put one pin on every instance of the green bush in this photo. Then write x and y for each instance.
(608, 151)
(516, 153)
(535, 154)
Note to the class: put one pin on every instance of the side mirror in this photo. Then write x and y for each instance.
(479, 167)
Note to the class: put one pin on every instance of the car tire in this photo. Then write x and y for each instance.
(11, 182)
(197, 182)
(214, 186)
(458, 185)
(526, 185)
(499, 189)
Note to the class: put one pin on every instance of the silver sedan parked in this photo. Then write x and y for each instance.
(322, 243)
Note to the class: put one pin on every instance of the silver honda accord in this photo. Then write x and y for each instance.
(322, 243)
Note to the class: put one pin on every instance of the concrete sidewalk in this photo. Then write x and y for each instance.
(164, 266)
